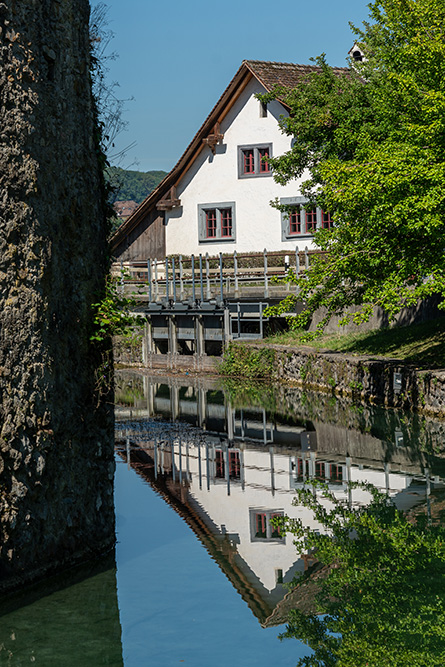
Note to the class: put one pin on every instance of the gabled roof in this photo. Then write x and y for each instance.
(269, 74)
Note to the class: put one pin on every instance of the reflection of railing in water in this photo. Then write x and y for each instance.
(217, 418)
(174, 447)
(202, 403)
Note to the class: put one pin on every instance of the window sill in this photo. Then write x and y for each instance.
(294, 237)
(255, 175)
(269, 540)
(223, 239)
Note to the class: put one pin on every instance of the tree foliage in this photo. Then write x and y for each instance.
(372, 141)
(133, 185)
(115, 314)
(382, 601)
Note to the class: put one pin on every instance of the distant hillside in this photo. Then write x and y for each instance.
(135, 185)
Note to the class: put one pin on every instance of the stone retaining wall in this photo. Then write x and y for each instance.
(363, 378)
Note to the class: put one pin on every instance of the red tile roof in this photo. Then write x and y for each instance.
(287, 75)
(125, 208)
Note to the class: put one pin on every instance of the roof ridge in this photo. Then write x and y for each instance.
(277, 62)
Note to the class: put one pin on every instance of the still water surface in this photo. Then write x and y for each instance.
(198, 572)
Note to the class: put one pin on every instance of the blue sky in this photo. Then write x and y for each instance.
(176, 58)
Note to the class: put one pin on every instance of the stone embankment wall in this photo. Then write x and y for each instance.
(56, 445)
(362, 378)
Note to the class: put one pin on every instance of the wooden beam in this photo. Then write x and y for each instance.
(214, 138)
(169, 201)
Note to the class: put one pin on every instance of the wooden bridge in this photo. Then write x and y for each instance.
(195, 305)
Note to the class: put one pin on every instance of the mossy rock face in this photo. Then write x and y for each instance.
(127, 350)
(56, 440)
(250, 362)
(371, 382)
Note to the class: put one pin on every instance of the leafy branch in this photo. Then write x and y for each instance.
(114, 315)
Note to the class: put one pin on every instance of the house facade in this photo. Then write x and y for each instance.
(218, 196)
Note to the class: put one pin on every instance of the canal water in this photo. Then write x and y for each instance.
(199, 576)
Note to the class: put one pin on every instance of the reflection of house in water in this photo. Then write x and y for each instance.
(231, 471)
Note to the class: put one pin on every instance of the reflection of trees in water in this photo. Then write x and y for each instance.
(381, 601)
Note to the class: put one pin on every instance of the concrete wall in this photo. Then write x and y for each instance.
(214, 179)
(425, 310)
(56, 439)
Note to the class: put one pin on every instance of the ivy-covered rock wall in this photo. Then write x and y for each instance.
(56, 438)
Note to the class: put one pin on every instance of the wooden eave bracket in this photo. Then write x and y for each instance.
(169, 201)
(214, 138)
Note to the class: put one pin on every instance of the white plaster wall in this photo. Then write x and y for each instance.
(233, 511)
(214, 179)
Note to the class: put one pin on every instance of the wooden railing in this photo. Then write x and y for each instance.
(201, 278)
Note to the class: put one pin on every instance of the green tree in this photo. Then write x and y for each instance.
(373, 142)
(130, 184)
(381, 601)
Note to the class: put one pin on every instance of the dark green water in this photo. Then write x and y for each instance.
(72, 620)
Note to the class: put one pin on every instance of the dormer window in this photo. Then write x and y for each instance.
(356, 54)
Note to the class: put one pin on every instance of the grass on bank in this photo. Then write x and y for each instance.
(420, 344)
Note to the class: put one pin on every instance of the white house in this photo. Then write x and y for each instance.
(217, 197)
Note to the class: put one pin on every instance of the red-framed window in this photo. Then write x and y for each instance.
(320, 470)
(302, 468)
(216, 221)
(220, 469)
(249, 161)
(234, 465)
(326, 220)
(210, 223)
(336, 472)
(261, 525)
(311, 220)
(226, 222)
(295, 220)
(253, 160)
(264, 163)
